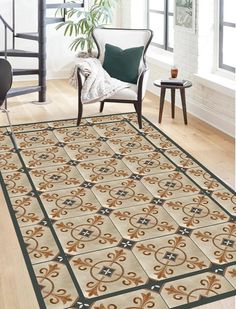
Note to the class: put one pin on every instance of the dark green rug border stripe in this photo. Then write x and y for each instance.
(184, 172)
(153, 125)
(28, 263)
(52, 230)
(24, 251)
(199, 163)
(69, 119)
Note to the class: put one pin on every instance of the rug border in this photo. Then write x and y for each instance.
(28, 263)
(153, 125)
(199, 163)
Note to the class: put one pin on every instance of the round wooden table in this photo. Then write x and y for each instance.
(163, 87)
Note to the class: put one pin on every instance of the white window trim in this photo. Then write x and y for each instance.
(216, 70)
(216, 38)
(217, 83)
(166, 15)
(160, 57)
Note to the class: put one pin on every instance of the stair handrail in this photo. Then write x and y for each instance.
(42, 48)
(6, 24)
(6, 27)
(41, 38)
(13, 23)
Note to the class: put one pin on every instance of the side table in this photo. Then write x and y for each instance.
(187, 84)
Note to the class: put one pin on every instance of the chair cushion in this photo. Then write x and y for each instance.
(130, 93)
(123, 64)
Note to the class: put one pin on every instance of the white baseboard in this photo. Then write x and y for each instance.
(59, 75)
(215, 120)
(50, 75)
(208, 116)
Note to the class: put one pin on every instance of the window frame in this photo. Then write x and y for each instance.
(223, 24)
(166, 14)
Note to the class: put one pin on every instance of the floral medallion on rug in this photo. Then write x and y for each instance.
(112, 217)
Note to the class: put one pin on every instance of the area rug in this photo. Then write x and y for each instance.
(112, 217)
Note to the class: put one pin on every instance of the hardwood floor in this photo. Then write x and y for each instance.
(211, 147)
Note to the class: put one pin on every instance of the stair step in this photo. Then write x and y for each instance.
(29, 36)
(17, 72)
(13, 92)
(19, 53)
(54, 20)
(64, 5)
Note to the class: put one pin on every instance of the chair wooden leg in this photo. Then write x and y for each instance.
(138, 109)
(80, 110)
(10, 125)
(101, 106)
(80, 105)
(173, 103)
(162, 101)
(182, 93)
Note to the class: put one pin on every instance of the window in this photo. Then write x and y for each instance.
(161, 21)
(227, 35)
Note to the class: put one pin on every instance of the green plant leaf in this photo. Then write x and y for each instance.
(81, 23)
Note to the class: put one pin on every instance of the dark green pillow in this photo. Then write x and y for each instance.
(123, 64)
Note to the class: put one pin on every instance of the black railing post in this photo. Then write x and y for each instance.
(42, 48)
(13, 23)
(5, 50)
(5, 54)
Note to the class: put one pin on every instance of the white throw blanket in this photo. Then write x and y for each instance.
(98, 84)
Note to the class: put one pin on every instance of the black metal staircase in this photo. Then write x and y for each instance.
(40, 37)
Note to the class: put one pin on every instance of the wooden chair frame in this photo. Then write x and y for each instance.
(138, 102)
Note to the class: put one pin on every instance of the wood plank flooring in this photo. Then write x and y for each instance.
(211, 147)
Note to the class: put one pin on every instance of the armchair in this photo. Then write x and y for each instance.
(6, 76)
(124, 39)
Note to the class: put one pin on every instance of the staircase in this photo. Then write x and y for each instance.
(40, 37)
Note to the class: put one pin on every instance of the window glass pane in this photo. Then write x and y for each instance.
(156, 5)
(229, 49)
(171, 6)
(171, 32)
(230, 11)
(156, 23)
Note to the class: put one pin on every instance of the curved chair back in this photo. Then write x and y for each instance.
(5, 79)
(123, 38)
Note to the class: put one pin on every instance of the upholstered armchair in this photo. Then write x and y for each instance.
(123, 39)
(6, 76)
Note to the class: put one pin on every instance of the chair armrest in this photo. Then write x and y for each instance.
(80, 81)
(142, 83)
(81, 78)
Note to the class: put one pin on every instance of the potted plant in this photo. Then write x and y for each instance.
(80, 23)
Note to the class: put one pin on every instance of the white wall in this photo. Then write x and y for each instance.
(193, 53)
(60, 60)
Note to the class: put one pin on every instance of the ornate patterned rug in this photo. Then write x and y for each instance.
(111, 217)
